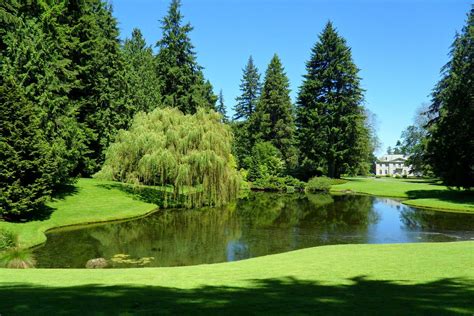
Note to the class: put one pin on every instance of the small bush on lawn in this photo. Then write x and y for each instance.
(7, 240)
(318, 184)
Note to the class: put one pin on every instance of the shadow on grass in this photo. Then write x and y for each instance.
(454, 196)
(161, 196)
(268, 296)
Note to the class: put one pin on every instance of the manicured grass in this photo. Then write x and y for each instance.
(88, 201)
(395, 279)
(416, 192)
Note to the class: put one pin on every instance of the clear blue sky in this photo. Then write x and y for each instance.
(399, 46)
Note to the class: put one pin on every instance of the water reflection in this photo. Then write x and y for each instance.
(261, 224)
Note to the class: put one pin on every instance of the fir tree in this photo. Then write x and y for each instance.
(250, 87)
(182, 82)
(273, 120)
(143, 88)
(329, 113)
(101, 92)
(221, 107)
(450, 139)
(36, 81)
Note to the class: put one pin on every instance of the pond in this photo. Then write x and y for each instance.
(261, 224)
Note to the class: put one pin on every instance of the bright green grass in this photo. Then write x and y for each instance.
(89, 201)
(396, 279)
(417, 192)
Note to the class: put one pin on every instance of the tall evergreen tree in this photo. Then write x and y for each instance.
(101, 92)
(221, 107)
(450, 145)
(36, 79)
(143, 87)
(329, 112)
(250, 88)
(182, 82)
(273, 118)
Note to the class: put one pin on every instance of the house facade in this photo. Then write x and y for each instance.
(391, 165)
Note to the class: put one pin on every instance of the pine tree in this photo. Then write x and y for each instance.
(101, 92)
(329, 112)
(221, 107)
(143, 85)
(450, 139)
(182, 82)
(273, 120)
(250, 87)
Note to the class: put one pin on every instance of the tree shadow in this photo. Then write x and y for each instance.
(360, 296)
(453, 196)
(160, 196)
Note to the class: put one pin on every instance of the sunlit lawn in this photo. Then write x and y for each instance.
(88, 201)
(418, 192)
(397, 279)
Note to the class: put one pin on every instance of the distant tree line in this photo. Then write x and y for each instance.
(327, 132)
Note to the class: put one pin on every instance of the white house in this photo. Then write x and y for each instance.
(392, 165)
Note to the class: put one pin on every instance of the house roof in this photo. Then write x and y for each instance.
(392, 158)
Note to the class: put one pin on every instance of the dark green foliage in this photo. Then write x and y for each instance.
(101, 90)
(242, 144)
(221, 107)
(26, 163)
(318, 184)
(182, 82)
(40, 138)
(450, 140)
(265, 160)
(250, 88)
(330, 118)
(273, 120)
(143, 84)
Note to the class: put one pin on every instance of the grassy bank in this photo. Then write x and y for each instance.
(397, 279)
(88, 201)
(416, 192)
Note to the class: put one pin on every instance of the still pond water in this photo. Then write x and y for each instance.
(262, 224)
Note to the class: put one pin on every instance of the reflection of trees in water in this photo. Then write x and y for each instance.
(263, 223)
(173, 237)
(436, 220)
(280, 222)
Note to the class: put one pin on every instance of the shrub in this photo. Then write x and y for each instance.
(191, 153)
(318, 184)
(17, 258)
(266, 160)
(7, 240)
(269, 183)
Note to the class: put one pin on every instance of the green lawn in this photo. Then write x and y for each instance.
(396, 279)
(89, 201)
(416, 192)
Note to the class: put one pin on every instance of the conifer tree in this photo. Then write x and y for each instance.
(329, 112)
(101, 92)
(182, 82)
(143, 88)
(273, 120)
(36, 79)
(450, 139)
(250, 87)
(221, 107)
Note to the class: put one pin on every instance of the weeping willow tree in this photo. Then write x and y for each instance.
(190, 153)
